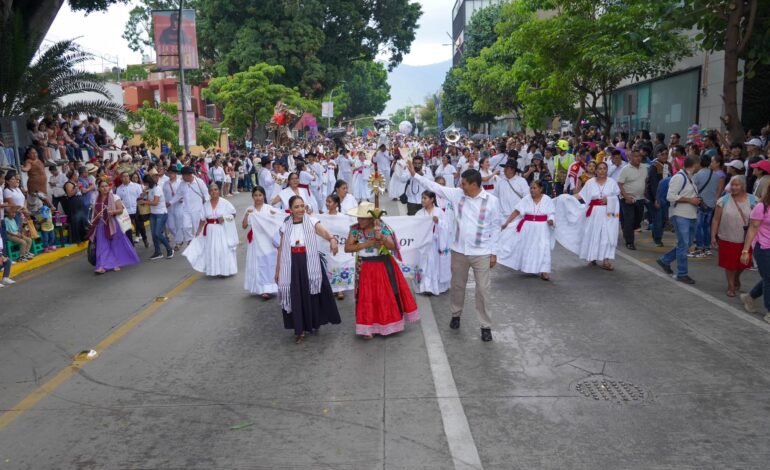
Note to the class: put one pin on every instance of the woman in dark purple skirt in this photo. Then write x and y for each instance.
(113, 248)
(306, 297)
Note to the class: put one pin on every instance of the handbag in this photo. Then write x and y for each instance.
(403, 198)
(124, 220)
(91, 252)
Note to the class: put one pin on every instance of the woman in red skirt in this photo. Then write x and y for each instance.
(383, 299)
(731, 220)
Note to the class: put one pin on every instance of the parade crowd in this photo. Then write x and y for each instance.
(504, 201)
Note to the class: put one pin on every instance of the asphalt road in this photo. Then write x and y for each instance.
(210, 379)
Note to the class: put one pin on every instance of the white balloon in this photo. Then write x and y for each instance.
(405, 127)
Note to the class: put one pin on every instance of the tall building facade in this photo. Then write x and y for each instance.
(461, 16)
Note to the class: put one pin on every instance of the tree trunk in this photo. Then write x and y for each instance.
(731, 118)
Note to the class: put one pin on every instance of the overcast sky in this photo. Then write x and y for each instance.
(101, 33)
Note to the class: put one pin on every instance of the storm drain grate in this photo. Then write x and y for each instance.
(607, 389)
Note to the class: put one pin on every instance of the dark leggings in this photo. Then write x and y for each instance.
(138, 220)
(762, 257)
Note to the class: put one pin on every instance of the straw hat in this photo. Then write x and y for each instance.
(153, 172)
(91, 168)
(364, 210)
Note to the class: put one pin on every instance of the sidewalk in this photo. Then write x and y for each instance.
(709, 277)
(44, 259)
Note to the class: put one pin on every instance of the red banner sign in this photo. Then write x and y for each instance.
(166, 27)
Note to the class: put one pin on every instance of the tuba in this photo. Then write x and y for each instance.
(452, 136)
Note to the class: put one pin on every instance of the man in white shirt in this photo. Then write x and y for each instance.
(383, 158)
(510, 189)
(56, 183)
(175, 208)
(317, 171)
(615, 165)
(498, 160)
(193, 194)
(265, 177)
(415, 188)
(129, 192)
(345, 167)
(474, 243)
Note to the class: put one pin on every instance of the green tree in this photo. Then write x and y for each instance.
(403, 114)
(156, 125)
(206, 135)
(428, 114)
(479, 34)
(248, 98)
(316, 41)
(55, 75)
(368, 89)
(578, 55)
(135, 73)
(740, 28)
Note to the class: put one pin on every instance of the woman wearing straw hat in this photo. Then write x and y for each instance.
(383, 299)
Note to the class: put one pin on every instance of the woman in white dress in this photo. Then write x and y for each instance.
(435, 276)
(447, 171)
(212, 251)
(526, 246)
(330, 166)
(590, 230)
(396, 187)
(600, 233)
(347, 200)
(333, 209)
(488, 178)
(260, 260)
(362, 170)
(293, 188)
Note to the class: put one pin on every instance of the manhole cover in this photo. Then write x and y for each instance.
(607, 389)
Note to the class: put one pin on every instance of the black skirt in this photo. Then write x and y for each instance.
(309, 312)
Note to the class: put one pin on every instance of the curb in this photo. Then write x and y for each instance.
(46, 258)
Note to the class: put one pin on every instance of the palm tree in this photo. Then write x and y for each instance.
(38, 88)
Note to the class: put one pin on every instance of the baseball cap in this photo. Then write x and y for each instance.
(737, 164)
(763, 165)
(755, 142)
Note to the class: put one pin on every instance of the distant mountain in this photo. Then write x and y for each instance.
(409, 85)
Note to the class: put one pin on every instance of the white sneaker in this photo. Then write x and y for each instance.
(748, 303)
(8, 281)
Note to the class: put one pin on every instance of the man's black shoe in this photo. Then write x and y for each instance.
(486, 334)
(455, 323)
(631, 246)
(664, 266)
(685, 279)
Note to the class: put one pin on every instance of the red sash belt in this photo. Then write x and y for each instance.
(594, 202)
(250, 236)
(209, 221)
(488, 187)
(298, 249)
(304, 186)
(531, 218)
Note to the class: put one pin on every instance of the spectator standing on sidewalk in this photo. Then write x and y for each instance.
(758, 237)
(659, 170)
(728, 231)
(474, 244)
(684, 199)
(710, 180)
(632, 182)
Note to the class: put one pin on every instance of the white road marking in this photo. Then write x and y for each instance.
(462, 447)
(707, 297)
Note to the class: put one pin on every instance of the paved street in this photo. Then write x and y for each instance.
(210, 379)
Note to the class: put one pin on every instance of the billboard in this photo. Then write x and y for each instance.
(191, 131)
(166, 28)
(327, 109)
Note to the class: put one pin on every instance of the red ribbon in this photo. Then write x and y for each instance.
(594, 202)
(250, 236)
(488, 187)
(531, 218)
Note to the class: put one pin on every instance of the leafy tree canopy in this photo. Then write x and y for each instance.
(160, 126)
(206, 135)
(317, 41)
(248, 98)
(366, 83)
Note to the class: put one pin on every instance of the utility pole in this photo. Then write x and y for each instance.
(182, 97)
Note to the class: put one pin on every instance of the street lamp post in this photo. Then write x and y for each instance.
(331, 94)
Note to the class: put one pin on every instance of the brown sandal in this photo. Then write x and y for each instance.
(730, 293)
(299, 339)
(545, 276)
(607, 267)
